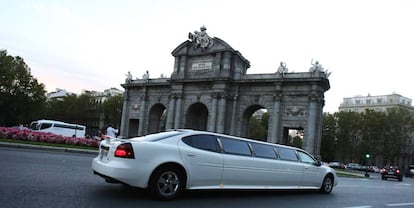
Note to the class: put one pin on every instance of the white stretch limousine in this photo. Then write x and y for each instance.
(169, 162)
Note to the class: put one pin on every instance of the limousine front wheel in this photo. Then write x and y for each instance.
(327, 185)
(167, 183)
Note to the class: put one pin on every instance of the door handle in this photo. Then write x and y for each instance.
(191, 154)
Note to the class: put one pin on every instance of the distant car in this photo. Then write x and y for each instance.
(391, 172)
(337, 165)
(374, 169)
(354, 166)
(168, 163)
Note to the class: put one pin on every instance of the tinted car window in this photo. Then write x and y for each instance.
(204, 142)
(45, 126)
(262, 150)
(287, 154)
(233, 146)
(305, 157)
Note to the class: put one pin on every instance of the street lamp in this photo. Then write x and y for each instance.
(367, 156)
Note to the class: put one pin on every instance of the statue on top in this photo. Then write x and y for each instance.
(128, 77)
(317, 67)
(200, 39)
(282, 69)
(146, 76)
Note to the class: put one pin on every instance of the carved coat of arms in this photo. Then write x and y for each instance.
(200, 39)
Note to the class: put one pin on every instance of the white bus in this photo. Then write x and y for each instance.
(59, 128)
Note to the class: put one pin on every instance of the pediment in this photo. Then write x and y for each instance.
(188, 48)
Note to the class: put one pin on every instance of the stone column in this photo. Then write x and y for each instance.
(274, 126)
(233, 115)
(176, 64)
(212, 123)
(142, 115)
(125, 115)
(318, 135)
(178, 111)
(310, 136)
(221, 114)
(171, 110)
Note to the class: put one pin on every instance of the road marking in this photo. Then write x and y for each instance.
(359, 207)
(400, 204)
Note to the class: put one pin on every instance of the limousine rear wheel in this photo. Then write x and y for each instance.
(327, 185)
(167, 183)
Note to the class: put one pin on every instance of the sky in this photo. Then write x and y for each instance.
(368, 45)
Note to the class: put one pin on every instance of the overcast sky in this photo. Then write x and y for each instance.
(368, 45)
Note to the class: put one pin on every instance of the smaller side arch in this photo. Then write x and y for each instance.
(156, 119)
(245, 121)
(196, 117)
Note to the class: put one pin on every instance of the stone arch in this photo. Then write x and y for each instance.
(247, 114)
(210, 89)
(196, 117)
(156, 119)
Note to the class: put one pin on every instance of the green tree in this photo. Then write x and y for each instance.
(112, 109)
(257, 130)
(22, 97)
(399, 125)
(328, 142)
(373, 131)
(71, 108)
(347, 135)
(295, 141)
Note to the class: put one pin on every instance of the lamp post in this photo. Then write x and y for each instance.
(367, 156)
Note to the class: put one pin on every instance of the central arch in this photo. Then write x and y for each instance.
(196, 117)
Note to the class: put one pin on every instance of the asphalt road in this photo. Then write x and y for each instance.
(42, 178)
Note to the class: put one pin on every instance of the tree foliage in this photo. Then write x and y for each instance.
(112, 109)
(22, 98)
(328, 143)
(348, 136)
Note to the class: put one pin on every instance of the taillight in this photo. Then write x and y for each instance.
(125, 151)
(397, 171)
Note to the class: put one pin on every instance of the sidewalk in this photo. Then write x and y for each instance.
(50, 148)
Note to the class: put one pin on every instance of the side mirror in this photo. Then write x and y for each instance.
(318, 163)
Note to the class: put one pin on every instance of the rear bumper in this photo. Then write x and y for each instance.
(391, 176)
(121, 171)
(108, 179)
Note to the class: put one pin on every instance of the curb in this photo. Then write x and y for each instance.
(39, 147)
(359, 175)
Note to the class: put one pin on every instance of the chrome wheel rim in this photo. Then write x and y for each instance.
(168, 183)
(327, 184)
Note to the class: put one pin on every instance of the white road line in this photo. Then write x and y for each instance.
(359, 207)
(400, 204)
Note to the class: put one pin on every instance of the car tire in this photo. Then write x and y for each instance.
(167, 183)
(327, 185)
(400, 178)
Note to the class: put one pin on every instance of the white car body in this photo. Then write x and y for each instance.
(236, 163)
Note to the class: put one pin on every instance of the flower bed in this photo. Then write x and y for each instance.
(29, 135)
